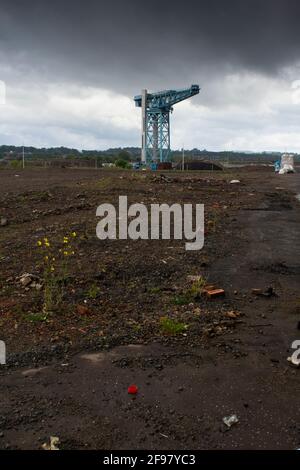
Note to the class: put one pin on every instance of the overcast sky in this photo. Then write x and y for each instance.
(71, 68)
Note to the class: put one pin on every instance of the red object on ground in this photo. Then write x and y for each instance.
(132, 390)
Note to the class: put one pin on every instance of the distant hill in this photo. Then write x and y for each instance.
(10, 152)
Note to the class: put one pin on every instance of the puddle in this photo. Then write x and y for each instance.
(130, 349)
(32, 372)
(94, 357)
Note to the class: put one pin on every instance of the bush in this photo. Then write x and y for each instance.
(122, 163)
(15, 164)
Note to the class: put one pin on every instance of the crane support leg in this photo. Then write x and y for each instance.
(144, 125)
(156, 109)
(157, 136)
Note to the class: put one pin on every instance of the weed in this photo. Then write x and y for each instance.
(104, 183)
(40, 196)
(182, 299)
(35, 317)
(92, 292)
(55, 256)
(213, 221)
(194, 292)
(197, 288)
(136, 327)
(15, 164)
(172, 327)
(154, 290)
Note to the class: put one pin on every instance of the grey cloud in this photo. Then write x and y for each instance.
(127, 44)
(243, 53)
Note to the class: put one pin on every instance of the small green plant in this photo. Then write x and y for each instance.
(15, 164)
(136, 327)
(35, 317)
(154, 290)
(192, 293)
(41, 196)
(213, 221)
(182, 299)
(197, 288)
(172, 327)
(92, 292)
(104, 183)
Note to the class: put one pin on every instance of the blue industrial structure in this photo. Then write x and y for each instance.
(156, 109)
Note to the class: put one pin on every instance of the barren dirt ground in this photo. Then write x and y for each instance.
(67, 374)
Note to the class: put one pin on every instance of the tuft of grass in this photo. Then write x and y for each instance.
(214, 220)
(197, 288)
(41, 196)
(104, 183)
(15, 164)
(92, 292)
(35, 317)
(182, 299)
(154, 290)
(172, 327)
(194, 292)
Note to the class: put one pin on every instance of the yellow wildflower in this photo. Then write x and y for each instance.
(39, 243)
(74, 234)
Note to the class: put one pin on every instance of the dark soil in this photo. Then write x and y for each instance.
(67, 374)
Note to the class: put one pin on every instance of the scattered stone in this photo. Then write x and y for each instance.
(36, 285)
(53, 445)
(234, 181)
(194, 278)
(257, 291)
(83, 310)
(232, 314)
(162, 179)
(230, 420)
(26, 279)
(3, 221)
(269, 292)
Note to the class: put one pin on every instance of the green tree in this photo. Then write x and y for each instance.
(122, 163)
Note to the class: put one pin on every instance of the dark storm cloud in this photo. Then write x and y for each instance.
(127, 44)
(71, 68)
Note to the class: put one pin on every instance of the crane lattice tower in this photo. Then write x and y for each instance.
(156, 109)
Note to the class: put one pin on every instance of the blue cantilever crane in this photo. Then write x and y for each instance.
(156, 109)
